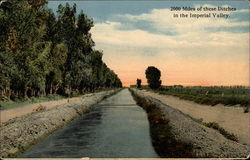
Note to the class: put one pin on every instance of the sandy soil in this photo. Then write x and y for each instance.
(8, 114)
(232, 119)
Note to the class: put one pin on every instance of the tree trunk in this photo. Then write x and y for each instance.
(24, 94)
(51, 89)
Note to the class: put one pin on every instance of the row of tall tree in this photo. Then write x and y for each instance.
(43, 53)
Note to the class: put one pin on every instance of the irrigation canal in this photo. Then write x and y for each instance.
(115, 128)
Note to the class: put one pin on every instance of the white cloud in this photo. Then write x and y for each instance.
(163, 20)
(109, 34)
(191, 32)
(193, 45)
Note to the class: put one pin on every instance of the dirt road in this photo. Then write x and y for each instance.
(8, 114)
(232, 119)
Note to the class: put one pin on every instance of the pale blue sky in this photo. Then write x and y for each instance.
(102, 11)
(188, 51)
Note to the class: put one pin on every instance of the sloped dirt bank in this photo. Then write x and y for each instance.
(174, 134)
(18, 134)
(231, 118)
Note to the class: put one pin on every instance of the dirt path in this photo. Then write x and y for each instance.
(232, 119)
(8, 114)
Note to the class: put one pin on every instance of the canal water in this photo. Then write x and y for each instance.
(115, 128)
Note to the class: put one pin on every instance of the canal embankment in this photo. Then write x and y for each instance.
(231, 118)
(114, 128)
(175, 134)
(20, 133)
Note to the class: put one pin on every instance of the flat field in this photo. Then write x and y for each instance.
(210, 95)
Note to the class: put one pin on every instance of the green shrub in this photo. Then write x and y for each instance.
(225, 133)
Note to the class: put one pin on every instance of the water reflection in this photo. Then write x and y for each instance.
(115, 128)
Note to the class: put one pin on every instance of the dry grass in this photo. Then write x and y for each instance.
(39, 108)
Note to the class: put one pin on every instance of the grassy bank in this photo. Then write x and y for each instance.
(217, 127)
(22, 102)
(9, 104)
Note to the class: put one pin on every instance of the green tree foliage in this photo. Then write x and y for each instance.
(138, 82)
(41, 53)
(153, 76)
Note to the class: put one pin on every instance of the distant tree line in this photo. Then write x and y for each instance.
(43, 53)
